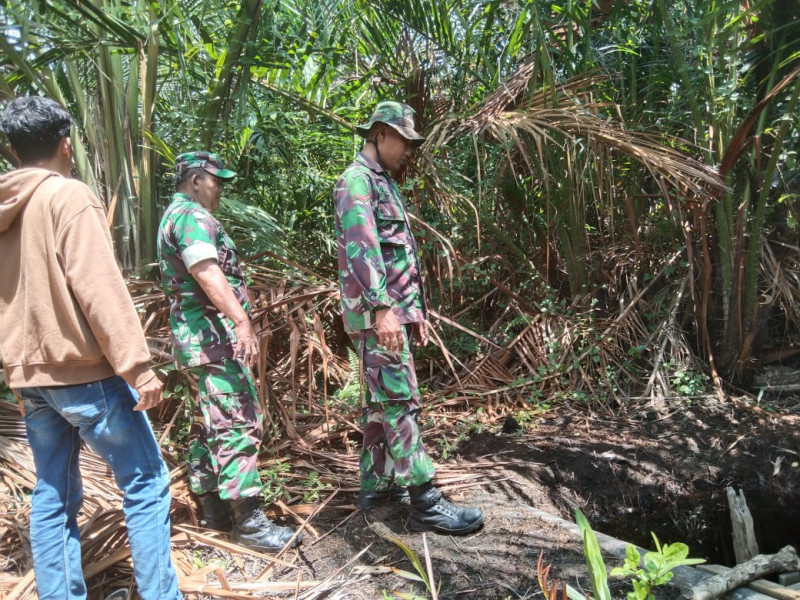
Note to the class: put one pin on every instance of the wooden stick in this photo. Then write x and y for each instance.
(763, 564)
(745, 546)
(770, 588)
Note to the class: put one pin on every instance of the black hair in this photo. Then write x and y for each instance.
(185, 174)
(374, 129)
(35, 126)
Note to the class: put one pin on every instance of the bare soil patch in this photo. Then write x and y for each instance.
(647, 470)
(644, 469)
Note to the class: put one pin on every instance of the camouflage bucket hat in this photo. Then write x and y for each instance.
(209, 161)
(397, 115)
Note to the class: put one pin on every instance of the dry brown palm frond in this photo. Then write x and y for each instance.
(557, 126)
(781, 271)
(604, 352)
(101, 521)
(529, 126)
(512, 369)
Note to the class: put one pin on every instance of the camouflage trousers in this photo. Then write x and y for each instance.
(392, 449)
(226, 431)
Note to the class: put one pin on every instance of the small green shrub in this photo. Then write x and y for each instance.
(275, 478)
(686, 381)
(658, 567)
(313, 486)
(350, 392)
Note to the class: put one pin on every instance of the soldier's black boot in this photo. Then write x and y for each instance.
(371, 499)
(215, 513)
(431, 512)
(252, 529)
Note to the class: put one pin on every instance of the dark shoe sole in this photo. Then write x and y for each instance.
(420, 527)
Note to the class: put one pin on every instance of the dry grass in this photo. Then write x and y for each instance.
(303, 363)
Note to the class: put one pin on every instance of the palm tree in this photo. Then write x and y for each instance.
(556, 132)
(110, 62)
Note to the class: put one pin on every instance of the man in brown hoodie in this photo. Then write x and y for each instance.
(73, 350)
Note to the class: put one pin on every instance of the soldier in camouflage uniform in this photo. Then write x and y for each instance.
(215, 342)
(383, 309)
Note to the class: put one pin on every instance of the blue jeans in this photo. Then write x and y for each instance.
(101, 414)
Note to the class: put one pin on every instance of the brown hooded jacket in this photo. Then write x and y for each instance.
(65, 314)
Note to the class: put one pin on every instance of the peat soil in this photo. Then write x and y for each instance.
(662, 470)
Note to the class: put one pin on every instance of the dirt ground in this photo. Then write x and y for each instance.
(663, 470)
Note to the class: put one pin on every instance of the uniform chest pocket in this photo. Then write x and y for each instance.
(391, 224)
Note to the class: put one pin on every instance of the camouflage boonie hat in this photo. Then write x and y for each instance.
(208, 161)
(398, 116)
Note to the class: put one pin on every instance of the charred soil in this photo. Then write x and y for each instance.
(664, 471)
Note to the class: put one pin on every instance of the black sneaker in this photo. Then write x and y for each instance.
(268, 538)
(431, 512)
(371, 499)
(252, 529)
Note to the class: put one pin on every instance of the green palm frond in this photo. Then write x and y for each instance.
(252, 228)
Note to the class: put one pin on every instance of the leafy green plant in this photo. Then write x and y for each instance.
(275, 478)
(685, 381)
(594, 559)
(5, 391)
(312, 486)
(202, 559)
(446, 448)
(657, 570)
(527, 417)
(350, 392)
(467, 427)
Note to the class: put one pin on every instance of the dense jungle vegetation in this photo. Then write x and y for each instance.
(607, 201)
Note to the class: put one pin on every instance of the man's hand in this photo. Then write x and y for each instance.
(214, 283)
(246, 348)
(149, 394)
(421, 333)
(390, 331)
(20, 402)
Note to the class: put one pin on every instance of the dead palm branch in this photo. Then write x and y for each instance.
(302, 368)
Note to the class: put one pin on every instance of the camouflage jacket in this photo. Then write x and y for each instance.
(378, 260)
(188, 232)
